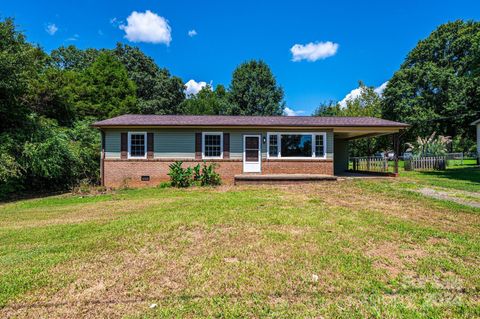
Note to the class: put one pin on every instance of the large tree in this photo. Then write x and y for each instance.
(367, 103)
(73, 58)
(20, 64)
(207, 102)
(158, 92)
(104, 89)
(438, 87)
(254, 91)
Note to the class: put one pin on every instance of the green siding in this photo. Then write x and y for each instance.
(112, 144)
(180, 143)
(340, 163)
(174, 143)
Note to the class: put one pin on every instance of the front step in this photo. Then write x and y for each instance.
(282, 178)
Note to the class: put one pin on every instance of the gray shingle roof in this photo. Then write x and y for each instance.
(245, 121)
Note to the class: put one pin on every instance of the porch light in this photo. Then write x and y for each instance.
(264, 140)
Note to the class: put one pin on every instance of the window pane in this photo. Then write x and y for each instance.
(319, 146)
(296, 145)
(137, 145)
(212, 145)
(273, 146)
(251, 155)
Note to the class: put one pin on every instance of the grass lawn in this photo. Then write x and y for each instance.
(354, 248)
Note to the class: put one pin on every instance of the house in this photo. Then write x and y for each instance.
(138, 149)
(477, 124)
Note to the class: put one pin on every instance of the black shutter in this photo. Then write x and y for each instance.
(198, 145)
(226, 145)
(123, 145)
(150, 145)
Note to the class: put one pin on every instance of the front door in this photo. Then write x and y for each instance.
(251, 154)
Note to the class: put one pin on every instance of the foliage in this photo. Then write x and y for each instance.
(51, 94)
(430, 146)
(437, 87)
(209, 177)
(197, 175)
(72, 58)
(179, 176)
(254, 90)
(104, 90)
(20, 62)
(367, 103)
(207, 102)
(185, 177)
(157, 91)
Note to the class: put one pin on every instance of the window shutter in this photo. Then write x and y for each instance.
(150, 145)
(198, 145)
(226, 145)
(123, 145)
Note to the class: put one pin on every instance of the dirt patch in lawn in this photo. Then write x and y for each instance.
(348, 195)
(90, 212)
(189, 261)
(392, 258)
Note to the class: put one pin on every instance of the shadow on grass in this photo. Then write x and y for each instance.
(471, 174)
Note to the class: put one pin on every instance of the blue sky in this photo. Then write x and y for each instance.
(349, 40)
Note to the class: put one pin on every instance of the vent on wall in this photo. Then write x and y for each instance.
(145, 178)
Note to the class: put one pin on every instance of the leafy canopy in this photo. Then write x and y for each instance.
(438, 86)
(254, 90)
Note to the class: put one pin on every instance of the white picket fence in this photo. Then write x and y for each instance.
(428, 163)
(369, 164)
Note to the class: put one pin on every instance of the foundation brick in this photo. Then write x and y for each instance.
(120, 173)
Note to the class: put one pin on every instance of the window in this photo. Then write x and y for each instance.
(212, 145)
(296, 145)
(137, 144)
(319, 146)
(273, 145)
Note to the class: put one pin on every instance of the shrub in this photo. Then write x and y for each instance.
(209, 177)
(179, 176)
(197, 173)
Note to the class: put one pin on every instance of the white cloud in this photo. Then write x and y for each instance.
(51, 28)
(289, 112)
(379, 90)
(193, 87)
(192, 33)
(356, 93)
(74, 37)
(147, 27)
(313, 51)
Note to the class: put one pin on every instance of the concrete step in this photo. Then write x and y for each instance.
(281, 178)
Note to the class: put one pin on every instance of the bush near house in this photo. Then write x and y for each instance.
(185, 177)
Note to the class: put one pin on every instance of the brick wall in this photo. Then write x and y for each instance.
(118, 173)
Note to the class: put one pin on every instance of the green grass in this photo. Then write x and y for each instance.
(378, 249)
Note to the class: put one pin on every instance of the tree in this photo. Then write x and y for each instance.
(207, 102)
(437, 88)
(20, 62)
(328, 108)
(367, 103)
(254, 91)
(104, 89)
(72, 58)
(51, 95)
(157, 91)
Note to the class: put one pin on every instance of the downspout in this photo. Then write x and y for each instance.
(102, 159)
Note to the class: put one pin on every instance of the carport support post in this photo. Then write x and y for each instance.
(396, 149)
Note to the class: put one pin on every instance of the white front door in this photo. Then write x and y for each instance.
(252, 155)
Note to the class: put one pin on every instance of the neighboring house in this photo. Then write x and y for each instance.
(477, 124)
(137, 149)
